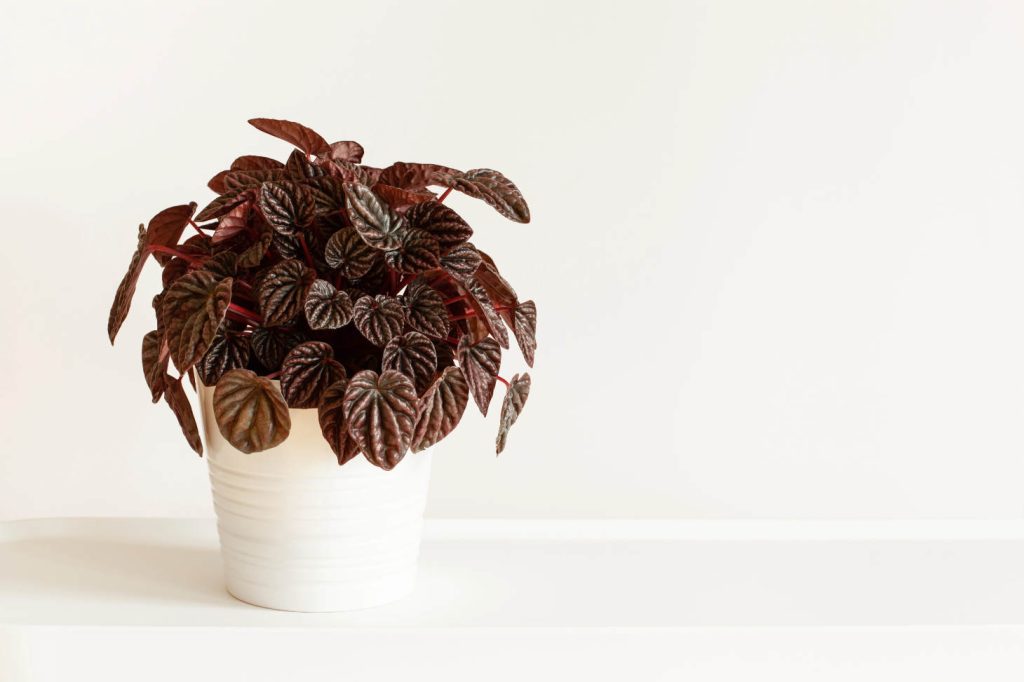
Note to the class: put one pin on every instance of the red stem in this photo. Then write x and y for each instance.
(507, 385)
(198, 229)
(249, 315)
(305, 250)
(456, 318)
(273, 375)
(455, 300)
(156, 248)
(444, 196)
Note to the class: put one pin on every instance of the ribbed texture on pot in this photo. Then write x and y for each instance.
(300, 533)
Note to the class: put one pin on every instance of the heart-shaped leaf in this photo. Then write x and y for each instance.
(282, 291)
(372, 218)
(271, 344)
(480, 363)
(347, 151)
(155, 355)
(166, 228)
(418, 252)
(241, 180)
(229, 350)
(252, 162)
(286, 205)
(378, 318)
(300, 168)
(326, 307)
(254, 253)
(462, 261)
(349, 254)
(480, 302)
(495, 189)
(307, 371)
(222, 205)
(126, 288)
(399, 199)
(524, 326)
(413, 355)
(232, 224)
(296, 133)
(512, 407)
(193, 309)
(216, 183)
(224, 264)
(440, 408)
(381, 412)
(327, 194)
(250, 411)
(176, 399)
(447, 226)
(417, 176)
(425, 308)
(333, 424)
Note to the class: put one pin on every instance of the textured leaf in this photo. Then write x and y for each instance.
(176, 399)
(300, 168)
(252, 162)
(327, 194)
(193, 309)
(378, 318)
(166, 228)
(347, 151)
(282, 291)
(254, 253)
(333, 424)
(381, 412)
(250, 411)
(126, 288)
(326, 307)
(349, 254)
(222, 205)
(271, 344)
(480, 302)
(216, 183)
(442, 222)
(418, 251)
(461, 261)
(240, 180)
(417, 176)
(440, 408)
(307, 371)
(413, 355)
(401, 198)
(224, 264)
(154, 362)
(495, 189)
(512, 407)
(296, 133)
(445, 354)
(286, 205)
(229, 350)
(372, 218)
(232, 224)
(354, 172)
(524, 326)
(498, 289)
(425, 308)
(480, 363)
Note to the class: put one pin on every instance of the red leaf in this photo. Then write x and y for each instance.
(480, 362)
(295, 133)
(413, 355)
(512, 407)
(347, 151)
(166, 227)
(250, 411)
(176, 399)
(381, 411)
(334, 425)
(307, 371)
(440, 409)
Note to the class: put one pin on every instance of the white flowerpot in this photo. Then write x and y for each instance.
(300, 533)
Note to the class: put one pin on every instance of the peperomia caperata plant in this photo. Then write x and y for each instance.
(356, 287)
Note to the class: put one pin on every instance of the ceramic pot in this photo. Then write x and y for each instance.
(300, 533)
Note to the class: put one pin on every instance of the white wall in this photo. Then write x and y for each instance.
(776, 246)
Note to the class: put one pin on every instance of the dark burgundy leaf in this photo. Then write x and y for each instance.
(224, 264)
(237, 181)
(334, 426)
(349, 254)
(193, 308)
(417, 176)
(282, 291)
(379, 318)
(442, 222)
(126, 288)
(307, 371)
(353, 172)
(254, 253)
(229, 350)
(524, 326)
(498, 289)
(481, 304)
(155, 355)
(252, 162)
(166, 228)
(440, 408)
(300, 168)
(495, 189)
(413, 355)
(286, 205)
(347, 151)
(250, 411)
(216, 183)
(418, 251)
(461, 261)
(173, 270)
(326, 307)
(222, 205)
(445, 354)
(426, 310)
(480, 362)
(401, 198)
(176, 399)
(327, 194)
(296, 133)
(372, 218)
(271, 344)
(512, 407)
(232, 224)
(381, 411)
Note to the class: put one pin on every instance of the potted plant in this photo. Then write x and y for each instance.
(326, 305)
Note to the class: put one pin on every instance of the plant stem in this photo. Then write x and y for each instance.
(498, 377)
(305, 250)
(198, 229)
(249, 315)
(469, 314)
(156, 248)
(273, 375)
(444, 196)
(455, 300)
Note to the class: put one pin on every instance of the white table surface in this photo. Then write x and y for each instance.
(497, 600)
